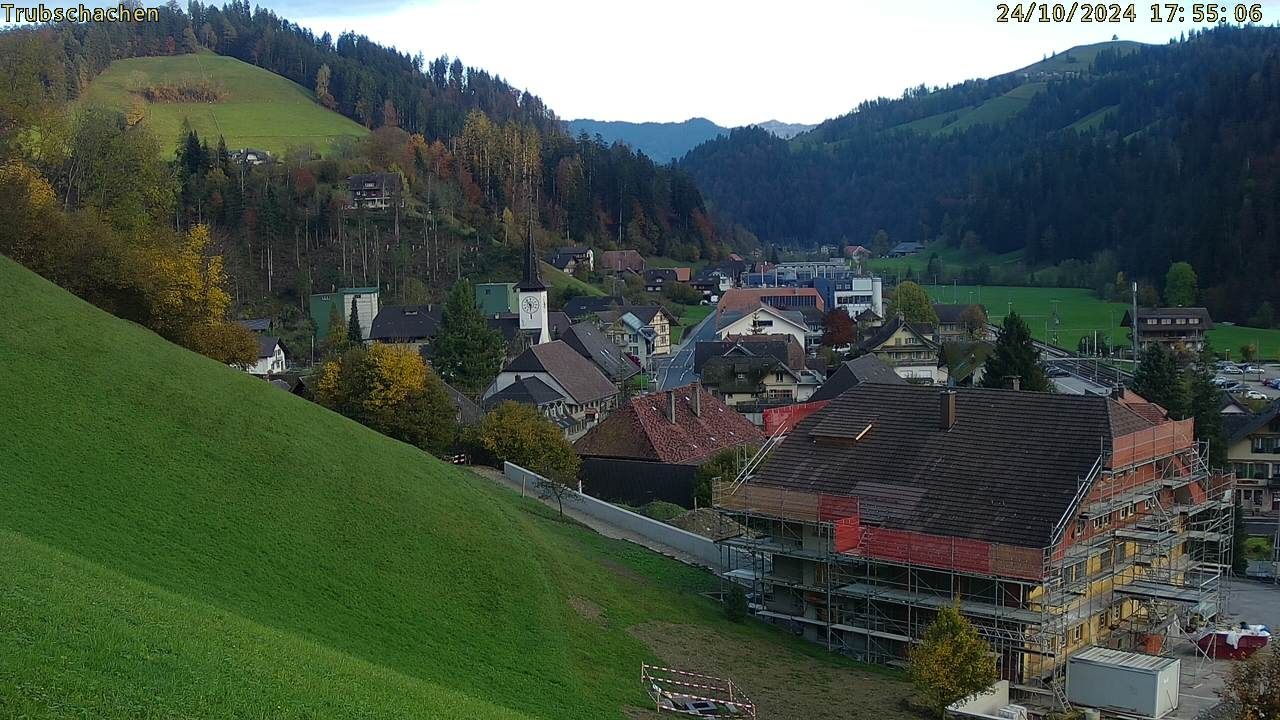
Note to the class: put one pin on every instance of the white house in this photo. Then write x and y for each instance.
(271, 357)
(763, 320)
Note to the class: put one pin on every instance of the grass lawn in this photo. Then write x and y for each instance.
(559, 279)
(693, 314)
(1080, 312)
(183, 540)
(260, 109)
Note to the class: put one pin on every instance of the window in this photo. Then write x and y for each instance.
(1078, 633)
(1182, 321)
(1104, 560)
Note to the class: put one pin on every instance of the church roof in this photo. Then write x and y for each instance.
(532, 280)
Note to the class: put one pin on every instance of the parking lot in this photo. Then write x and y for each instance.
(1251, 381)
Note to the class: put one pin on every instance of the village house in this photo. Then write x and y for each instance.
(566, 387)
(1253, 452)
(781, 346)
(591, 343)
(1054, 522)
(911, 349)
(857, 253)
(658, 279)
(764, 320)
(647, 324)
(496, 298)
(619, 261)
(962, 323)
(650, 448)
(749, 382)
(271, 358)
(582, 306)
(374, 191)
(903, 249)
(409, 326)
(569, 259)
(1176, 328)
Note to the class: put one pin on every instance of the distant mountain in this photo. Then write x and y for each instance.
(667, 141)
(786, 131)
(1106, 158)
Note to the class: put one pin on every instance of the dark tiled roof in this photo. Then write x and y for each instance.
(736, 374)
(406, 323)
(590, 343)
(642, 430)
(583, 305)
(1006, 471)
(259, 325)
(382, 181)
(1205, 323)
(951, 314)
(558, 323)
(267, 346)
(577, 375)
(468, 412)
(526, 391)
(963, 359)
(776, 345)
(882, 334)
(865, 369)
(1240, 430)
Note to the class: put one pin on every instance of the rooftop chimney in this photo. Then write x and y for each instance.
(947, 408)
(1015, 382)
(671, 405)
(697, 399)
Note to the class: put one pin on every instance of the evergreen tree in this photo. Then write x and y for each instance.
(1202, 404)
(1157, 379)
(467, 353)
(354, 335)
(1015, 355)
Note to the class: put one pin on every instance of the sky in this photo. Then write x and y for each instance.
(734, 62)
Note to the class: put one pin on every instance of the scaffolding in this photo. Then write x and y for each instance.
(1140, 554)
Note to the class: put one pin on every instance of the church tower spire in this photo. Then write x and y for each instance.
(533, 298)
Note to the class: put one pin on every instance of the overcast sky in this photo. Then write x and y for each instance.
(733, 61)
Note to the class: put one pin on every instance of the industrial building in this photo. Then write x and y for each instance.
(1058, 523)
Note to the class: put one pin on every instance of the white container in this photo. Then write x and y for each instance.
(1144, 685)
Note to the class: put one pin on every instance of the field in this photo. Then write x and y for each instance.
(953, 259)
(1080, 312)
(259, 109)
(693, 314)
(183, 540)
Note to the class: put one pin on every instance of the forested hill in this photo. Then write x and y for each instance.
(1120, 155)
(483, 167)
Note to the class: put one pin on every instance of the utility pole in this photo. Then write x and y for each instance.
(1134, 324)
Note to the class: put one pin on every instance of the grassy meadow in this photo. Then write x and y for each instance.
(184, 540)
(259, 109)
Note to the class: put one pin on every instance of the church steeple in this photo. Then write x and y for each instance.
(532, 280)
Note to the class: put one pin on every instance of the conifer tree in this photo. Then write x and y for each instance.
(354, 336)
(1015, 356)
(466, 352)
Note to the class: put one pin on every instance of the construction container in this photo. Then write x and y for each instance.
(1133, 683)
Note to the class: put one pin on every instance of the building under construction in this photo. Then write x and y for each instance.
(1057, 522)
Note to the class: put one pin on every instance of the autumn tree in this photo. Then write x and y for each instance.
(1180, 284)
(1252, 687)
(322, 87)
(974, 321)
(467, 352)
(517, 433)
(1015, 355)
(913, 303)
(391, 390)
(952, 661)
(837, 328)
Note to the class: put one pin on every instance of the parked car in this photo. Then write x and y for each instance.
(1251, 370)
(1220, 381)
(1056, 372)
(1235, 387)
(1232, 370)
(1254, 395)
(1273, 383)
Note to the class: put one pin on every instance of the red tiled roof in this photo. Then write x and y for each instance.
(739, 299)
(641, 429)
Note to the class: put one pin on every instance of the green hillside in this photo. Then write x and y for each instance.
(992, 112)
(1080, 57)
(257, 109)
(183, 540)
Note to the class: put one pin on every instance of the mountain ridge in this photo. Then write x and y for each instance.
(664, 142)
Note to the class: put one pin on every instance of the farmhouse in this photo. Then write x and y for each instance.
(1253, 450)
(911, 349)
(271, 357)
(619, 261)
(408, 325)
(650, 448)
(569, 389)
(374, 191)
(1176, 328)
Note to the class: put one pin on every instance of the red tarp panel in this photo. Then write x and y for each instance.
(782, 419)
(848, 533)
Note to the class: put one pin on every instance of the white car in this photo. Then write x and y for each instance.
(1232, 370)
(1254, 395)
(1251, 370)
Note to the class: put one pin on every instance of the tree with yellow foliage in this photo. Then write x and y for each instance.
(952, 662)
(520, 434)
(389, 389)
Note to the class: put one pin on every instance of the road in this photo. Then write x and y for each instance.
(678, 369)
